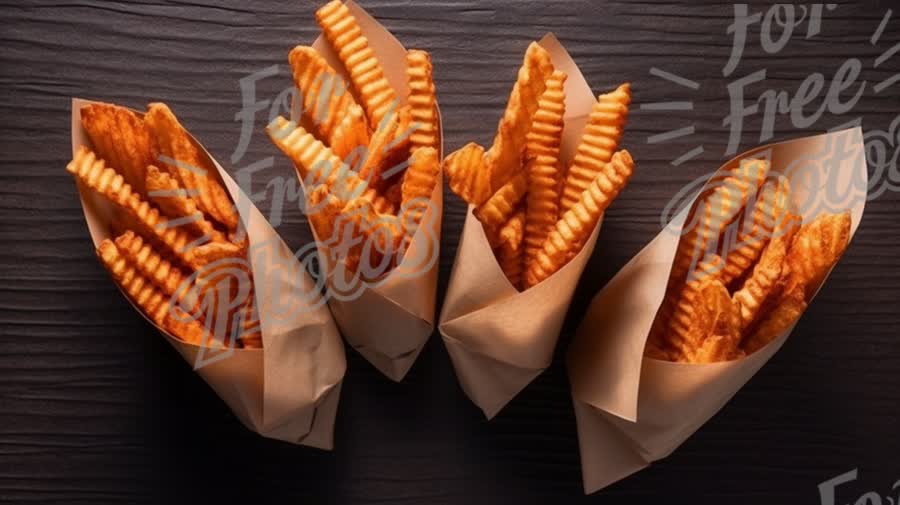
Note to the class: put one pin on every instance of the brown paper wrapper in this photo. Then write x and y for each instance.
(391, 319)
(289, 389)
(633, 410)
(500, 339)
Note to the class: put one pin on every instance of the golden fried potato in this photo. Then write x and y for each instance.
(122, 139)
(716, 208)
(715, 330)
(366, 73)
(384, 230)
(578, 222)
(164, 191)
(379, 149)
(327, 101)
(397, 152)
(93, 174)
(715, 349)
(376, 235)
(146, 296)
(193, 169)
(418, 184)
(509, 250)
(317, 165)
(785, 313)
(762, 283)
(817, 247)
(679, 339)
(150, 263)
(322, 210)
(468, 175)
(503, 159)
(351, 134)
(599, 141)
(770, 209)
(777, 272)
(422, 100)
(543, 166)
(500, 207)
(217, 251)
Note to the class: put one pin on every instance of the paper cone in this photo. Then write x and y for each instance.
(289, 389)
(500, 339)
(633, 410)
(390, 320)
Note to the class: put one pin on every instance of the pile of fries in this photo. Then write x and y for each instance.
(174, 225)
(369, 165)
(726, 299)
(538, 214)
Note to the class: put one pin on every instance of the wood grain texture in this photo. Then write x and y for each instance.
(96, 408)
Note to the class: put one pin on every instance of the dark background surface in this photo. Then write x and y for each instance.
(95, 407)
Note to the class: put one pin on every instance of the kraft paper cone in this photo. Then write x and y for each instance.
(289, 389)
(498, 338)
(391, 319)
(633, 410)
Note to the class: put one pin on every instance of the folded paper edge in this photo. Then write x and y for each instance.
(487, 395)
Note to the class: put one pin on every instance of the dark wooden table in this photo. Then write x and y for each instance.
(96, 408)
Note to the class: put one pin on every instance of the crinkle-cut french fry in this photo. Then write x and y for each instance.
(165, 192)
(599, 141)
(318, 165)
(816, 248)
(510, 252)
(207, 254)
(503, 159)
(94, 174)
(715, 349)
(322, 211)
(141, 253)
(184, 160)
(350, 135)
(501, 206)
(543, 166)
(327, 101)
(384, 231)
(762, 283)
(468, 176)
(147, 296)
(121, 137)
(715, 331)
(717, 207)
(379, 149)
(786, 312)
(344, 34)
(365, 239)
(399, 148)
(578, 222)
(422, 100)
(418, 184)
(771, 211)
(679, 338)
